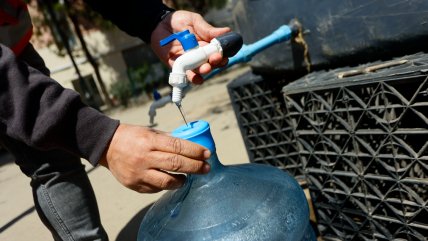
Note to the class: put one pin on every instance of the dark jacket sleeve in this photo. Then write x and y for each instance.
(136, 17)
(36, 110)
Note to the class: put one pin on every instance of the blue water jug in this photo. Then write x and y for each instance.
(241, 202)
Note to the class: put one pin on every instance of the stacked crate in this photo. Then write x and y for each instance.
(358, 136)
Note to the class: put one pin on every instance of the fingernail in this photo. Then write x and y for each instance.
(207, 154)
(206, 168)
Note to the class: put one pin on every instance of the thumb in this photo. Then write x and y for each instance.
(215, 32)
(206, 31)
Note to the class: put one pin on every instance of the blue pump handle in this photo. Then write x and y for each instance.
(188, 40)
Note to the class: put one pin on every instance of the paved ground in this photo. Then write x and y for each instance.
(121, 209)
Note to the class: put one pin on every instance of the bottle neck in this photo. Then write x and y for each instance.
(215, 163)
(199, 133)
(215, 168)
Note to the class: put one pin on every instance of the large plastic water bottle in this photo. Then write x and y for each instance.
(242, 202)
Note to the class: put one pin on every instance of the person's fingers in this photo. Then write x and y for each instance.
(206, 31)
(217, 62)
(194, 77)
(216, 59)
(177, 163)
(224, 62)
(139, 158)
(204, 69)
(156, 179)
(146, 188)
(182, 147)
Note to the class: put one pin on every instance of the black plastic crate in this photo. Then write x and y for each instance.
(363, 144)
(259, 108)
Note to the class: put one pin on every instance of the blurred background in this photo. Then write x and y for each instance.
(106, 66)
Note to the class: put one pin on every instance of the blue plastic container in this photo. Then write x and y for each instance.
(242, 202)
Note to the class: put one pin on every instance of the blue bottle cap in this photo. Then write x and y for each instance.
(197, 132)
(188, 40)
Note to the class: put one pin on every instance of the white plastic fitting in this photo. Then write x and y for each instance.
(190, 60)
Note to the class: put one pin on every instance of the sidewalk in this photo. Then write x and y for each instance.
(121, 209)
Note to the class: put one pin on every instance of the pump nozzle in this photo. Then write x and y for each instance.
(178, 79)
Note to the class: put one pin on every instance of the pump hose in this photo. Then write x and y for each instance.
(293, 31)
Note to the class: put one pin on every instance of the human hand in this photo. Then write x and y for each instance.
(179, 21)
(140, 159)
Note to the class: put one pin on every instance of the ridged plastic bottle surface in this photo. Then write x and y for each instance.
(241, 202)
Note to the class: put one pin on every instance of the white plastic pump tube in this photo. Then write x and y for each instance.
(190, 60)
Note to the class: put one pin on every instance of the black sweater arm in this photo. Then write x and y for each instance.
(136, 17)
(36, 110)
